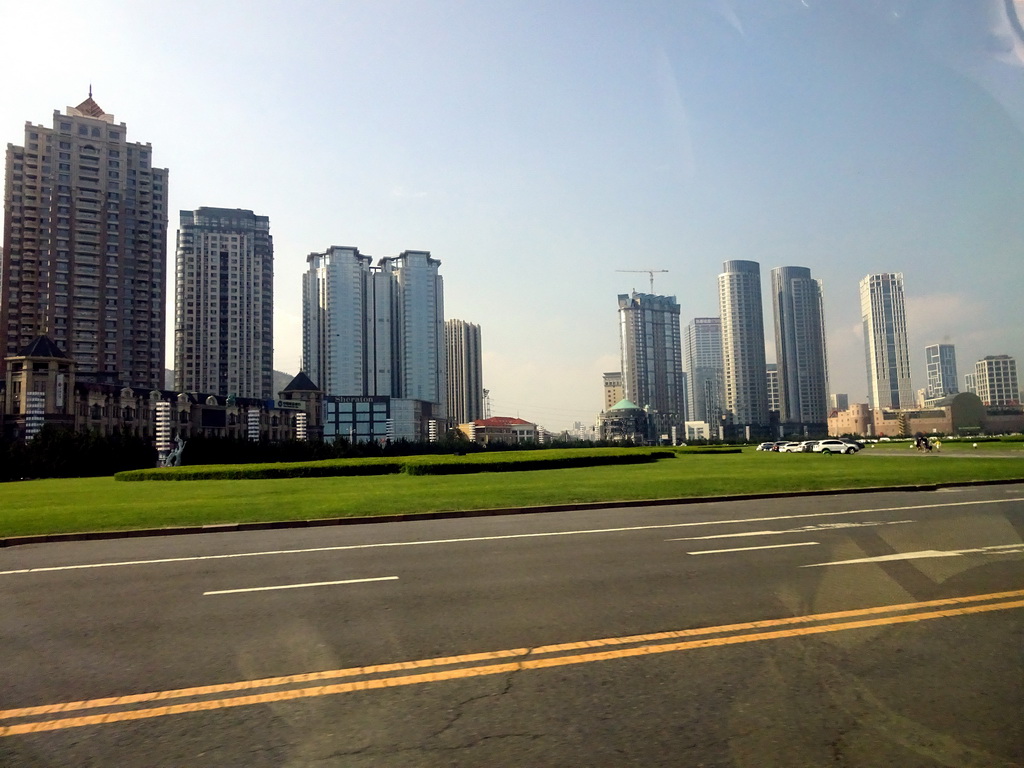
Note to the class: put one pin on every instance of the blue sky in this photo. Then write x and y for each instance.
(536, 148)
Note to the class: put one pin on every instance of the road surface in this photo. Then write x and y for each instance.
(851, 630)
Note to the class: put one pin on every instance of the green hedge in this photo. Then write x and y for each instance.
(712, 449)
(499, 461)
(328, 468)
(438, 465)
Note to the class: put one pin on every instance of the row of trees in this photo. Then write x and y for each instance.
(62, 453)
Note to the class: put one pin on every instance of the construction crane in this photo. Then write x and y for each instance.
(650, 272)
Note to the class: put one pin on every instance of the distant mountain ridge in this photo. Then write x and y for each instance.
(281, 380)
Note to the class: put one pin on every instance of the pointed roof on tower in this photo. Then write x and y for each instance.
(301, 383)
(90, 108)
(42, 346)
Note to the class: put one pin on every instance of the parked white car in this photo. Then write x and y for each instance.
(791, 448)
(834, 446)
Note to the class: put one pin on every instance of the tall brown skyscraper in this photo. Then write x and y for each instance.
(84, 253)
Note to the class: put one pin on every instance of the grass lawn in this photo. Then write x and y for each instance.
(962, 447)
(97, 504)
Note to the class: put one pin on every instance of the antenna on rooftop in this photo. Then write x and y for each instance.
(650, 272)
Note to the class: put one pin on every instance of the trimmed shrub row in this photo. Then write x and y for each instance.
(413, 465)
(534, 461)
(708, 449)
(329, 468)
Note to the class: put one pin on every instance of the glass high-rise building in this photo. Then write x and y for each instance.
(224, 304)
(377, 332)
(85, 246)
(340, 324)
(800, 347)
(702, 361)
(883, 313)
(465, 371)
(743, 358)
(940, 361)
(652, 358)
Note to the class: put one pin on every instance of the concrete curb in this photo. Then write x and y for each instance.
(52, 538)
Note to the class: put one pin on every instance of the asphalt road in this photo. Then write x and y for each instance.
(863, 630)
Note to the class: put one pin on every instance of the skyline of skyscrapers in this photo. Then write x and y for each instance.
(224, 303)
(940, 368)
(800, 351)
(702, 361)
(743, 358)
(84, 261)
(84, 252)
(884, 319)
(465, 371)
(651, 353)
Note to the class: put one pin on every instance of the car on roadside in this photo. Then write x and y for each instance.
(765, 447)
(832, 445)
(790, 447)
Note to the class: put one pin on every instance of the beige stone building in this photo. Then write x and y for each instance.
(959, 414)
(500, 429)
(40, 388)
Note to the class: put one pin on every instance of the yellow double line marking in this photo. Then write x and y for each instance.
(288, 687)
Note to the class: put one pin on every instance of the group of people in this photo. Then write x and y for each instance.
(925, 443)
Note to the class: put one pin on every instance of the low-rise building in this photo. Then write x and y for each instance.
(854, 420)
(958, 414)
(697, 431)
(40, 389)
(500, 429)
(626, 422)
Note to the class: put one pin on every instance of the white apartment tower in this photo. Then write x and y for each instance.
(743, 359)
(652, 364)
(377, 332)
(772, 372)
(995, 377)
(224, 304)
(800, 347)
(940, 361)
(417, 312)
(465, 371)
(341, 330)
(883, 313)
(702, 361)
(85, 246)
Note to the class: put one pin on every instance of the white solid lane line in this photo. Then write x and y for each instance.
(748, 549)
(801, 529)
(298, 586)
(469, 539)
